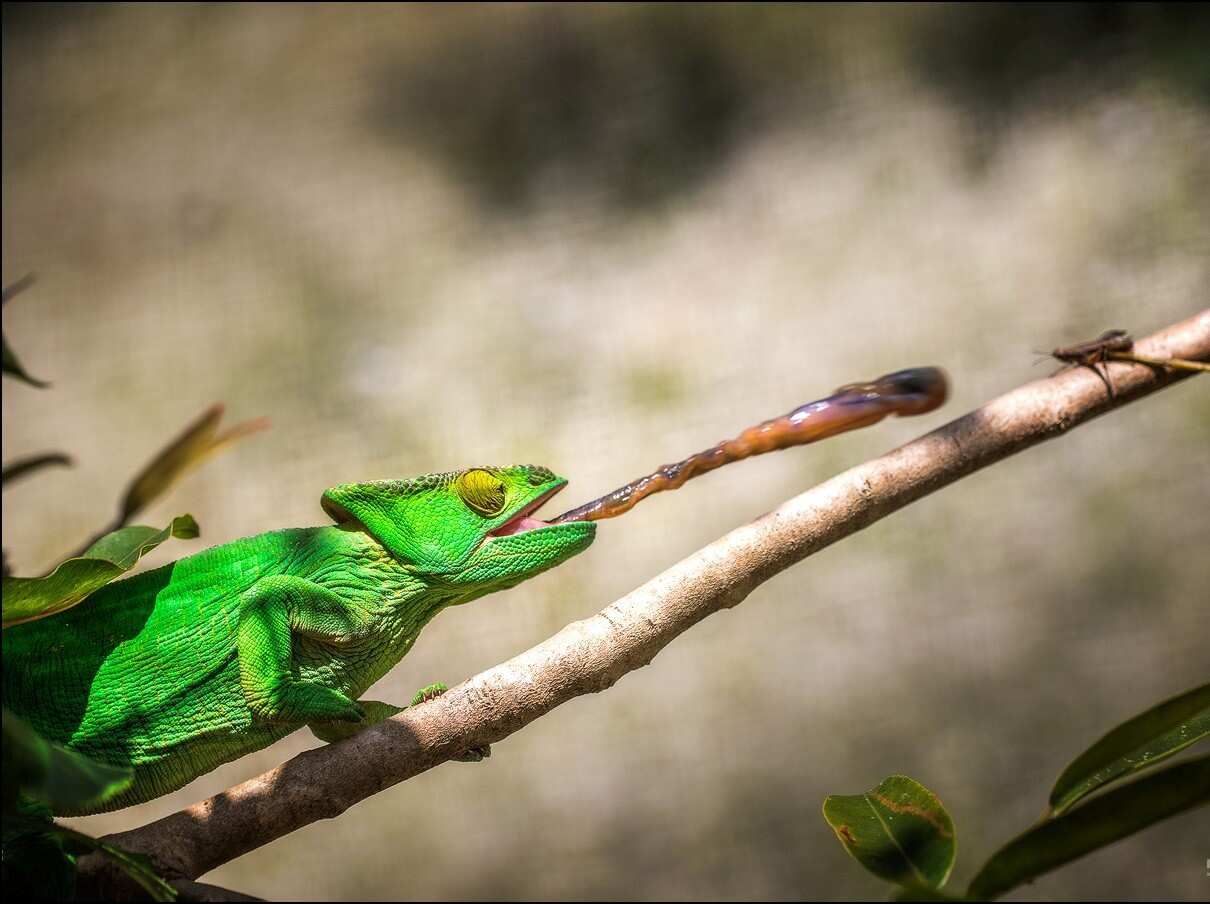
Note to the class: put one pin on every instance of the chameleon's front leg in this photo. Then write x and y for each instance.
(271, 612)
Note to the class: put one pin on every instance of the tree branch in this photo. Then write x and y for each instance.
(591, 655)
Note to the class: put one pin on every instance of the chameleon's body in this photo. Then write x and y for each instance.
(179, 670)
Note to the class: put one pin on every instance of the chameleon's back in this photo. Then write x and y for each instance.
(146, 662)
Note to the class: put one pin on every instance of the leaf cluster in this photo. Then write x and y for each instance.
(41, 777)
(902, 833)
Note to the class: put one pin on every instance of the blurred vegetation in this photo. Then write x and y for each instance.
(995, 59)
(640, 103)
(634, 104)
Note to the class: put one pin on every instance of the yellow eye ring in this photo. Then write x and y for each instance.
(482, 491)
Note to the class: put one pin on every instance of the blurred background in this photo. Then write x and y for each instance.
(599, 238)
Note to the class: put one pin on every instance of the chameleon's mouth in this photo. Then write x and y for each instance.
(522, 522)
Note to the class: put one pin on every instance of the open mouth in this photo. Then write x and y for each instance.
(522, 522)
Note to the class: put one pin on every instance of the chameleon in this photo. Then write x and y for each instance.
(175, 671)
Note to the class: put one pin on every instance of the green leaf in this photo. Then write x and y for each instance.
(199, 441)
(137, 866)
(1110, 817)
(52, 774)
(1135, 745)
(26, 599)
(899, 831)
(11, 365)
(124, 547)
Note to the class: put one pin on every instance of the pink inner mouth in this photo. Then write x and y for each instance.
(521, 522)
(519, 526)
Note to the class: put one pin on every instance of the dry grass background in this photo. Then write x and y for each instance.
(599, 239)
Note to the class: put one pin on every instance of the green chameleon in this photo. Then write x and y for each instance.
(176, 671)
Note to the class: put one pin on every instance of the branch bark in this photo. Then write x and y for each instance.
(591, 655)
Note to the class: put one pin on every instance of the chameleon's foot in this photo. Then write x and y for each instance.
(306, 701)
(432, 692)
(374, 712)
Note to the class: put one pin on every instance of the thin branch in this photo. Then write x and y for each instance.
(591, 655)
(1174, 363)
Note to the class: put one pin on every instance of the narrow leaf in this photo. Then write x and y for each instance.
(23, 467)
(1110, 817)
(10, 364)
(199, 441)
(899, 831)
(26, 599)
(52, 774)
(1134, 745)
(137, 866)
(13, 289)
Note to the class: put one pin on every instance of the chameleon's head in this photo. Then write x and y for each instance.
(472, 529)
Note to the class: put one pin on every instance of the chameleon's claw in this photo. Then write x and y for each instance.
(475, 754)
(353, 713)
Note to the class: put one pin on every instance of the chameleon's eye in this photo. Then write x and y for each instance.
(482, 492)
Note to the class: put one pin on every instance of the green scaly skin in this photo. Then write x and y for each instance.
(176, 671)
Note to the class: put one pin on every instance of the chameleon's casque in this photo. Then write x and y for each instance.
(181, 669)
